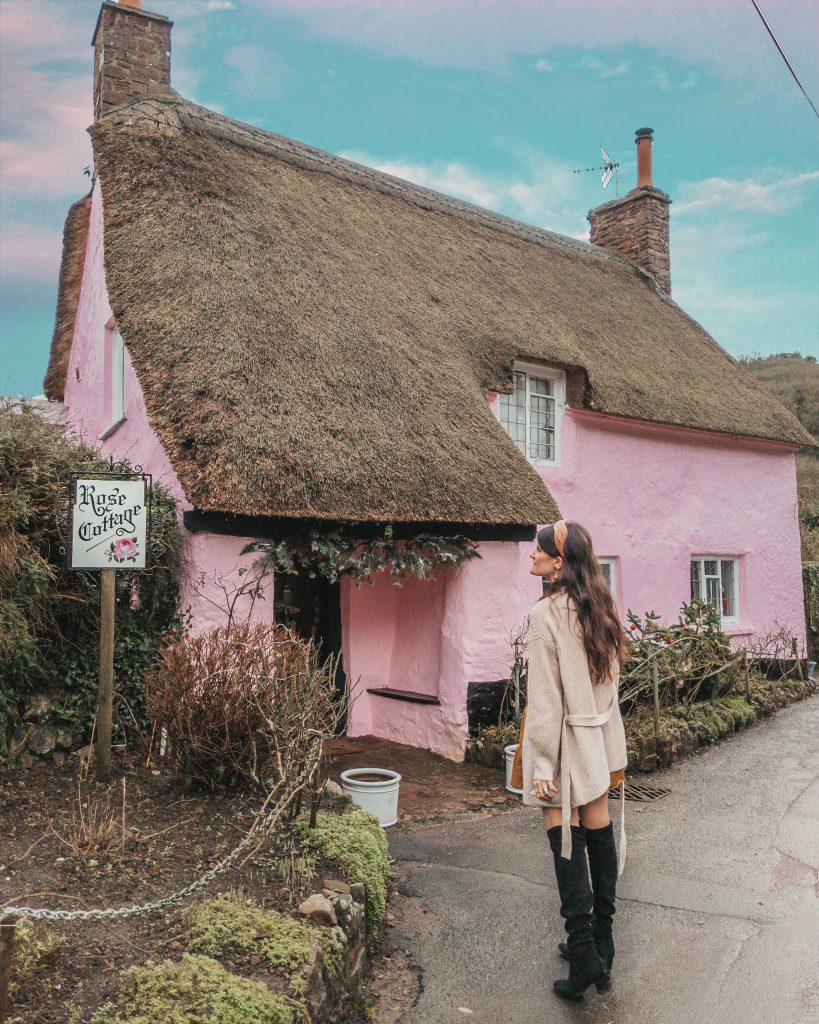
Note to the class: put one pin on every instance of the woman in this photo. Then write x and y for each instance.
(574, 744)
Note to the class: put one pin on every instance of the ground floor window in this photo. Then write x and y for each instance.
(716, 582)
(607, 568)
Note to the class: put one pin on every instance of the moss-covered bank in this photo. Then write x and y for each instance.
(194, 990)
(358, 844)
(684, 729)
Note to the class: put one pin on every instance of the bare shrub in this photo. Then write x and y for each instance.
(95, 825)
(243, 705)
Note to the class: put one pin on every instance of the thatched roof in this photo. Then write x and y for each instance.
(316, 339)
(75, 236)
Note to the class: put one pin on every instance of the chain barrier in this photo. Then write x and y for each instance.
(260, 828)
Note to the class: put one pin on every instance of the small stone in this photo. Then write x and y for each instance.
(465, 1010)
(58, 758)
(358, 891)
(332, 789)
(42, 740)
(36, 706)
(255, 958)
(319, 909)
(336, 885)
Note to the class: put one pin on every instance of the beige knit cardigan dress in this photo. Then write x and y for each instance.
(574, 732)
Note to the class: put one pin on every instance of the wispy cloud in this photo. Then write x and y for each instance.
(258, 72)
(665, 82)
(604, 69)
(744, 196)
(545, 65)
(460, 33)
(549, 196)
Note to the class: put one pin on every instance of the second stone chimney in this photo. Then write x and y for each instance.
(636, 226)
(132, 54)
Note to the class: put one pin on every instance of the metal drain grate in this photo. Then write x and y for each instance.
(637, 791)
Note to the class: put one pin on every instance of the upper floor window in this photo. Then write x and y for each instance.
(531, 414)
(715, 581)
(113, 381)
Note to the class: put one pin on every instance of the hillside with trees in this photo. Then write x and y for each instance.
(794, 380)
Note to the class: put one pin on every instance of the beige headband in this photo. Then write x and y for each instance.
(561, 532)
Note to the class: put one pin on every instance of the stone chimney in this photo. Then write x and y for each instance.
(636, 226)
(132, 54)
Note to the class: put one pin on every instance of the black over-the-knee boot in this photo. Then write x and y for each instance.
(585, 966)
(602, 853)
(603, 867)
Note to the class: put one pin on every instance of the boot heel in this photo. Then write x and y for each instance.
(603, 984)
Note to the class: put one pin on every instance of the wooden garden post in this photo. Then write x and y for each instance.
(8, 937)
(108, 581)
(798, 660)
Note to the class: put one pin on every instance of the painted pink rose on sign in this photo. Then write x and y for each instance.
(124, 550)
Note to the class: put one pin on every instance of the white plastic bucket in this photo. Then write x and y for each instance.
(510, 760)
(375, 790)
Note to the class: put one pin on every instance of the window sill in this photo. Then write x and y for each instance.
(114, 427)
(737, 629)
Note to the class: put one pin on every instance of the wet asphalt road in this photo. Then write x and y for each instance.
(717, 911)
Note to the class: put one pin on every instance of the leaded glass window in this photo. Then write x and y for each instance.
(529, 416)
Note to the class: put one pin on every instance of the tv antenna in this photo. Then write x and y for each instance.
(607, 168)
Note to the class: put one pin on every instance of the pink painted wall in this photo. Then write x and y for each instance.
(651, 497)
(88, 403)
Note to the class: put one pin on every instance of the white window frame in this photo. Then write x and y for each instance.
(117, 377)
(115, 367)
(558, 379)
(726, 620)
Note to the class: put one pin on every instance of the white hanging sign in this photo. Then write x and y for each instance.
(109, 524)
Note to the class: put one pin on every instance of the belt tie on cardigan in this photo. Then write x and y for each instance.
(586, 721)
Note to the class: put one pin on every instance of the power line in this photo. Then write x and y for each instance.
(782, 52)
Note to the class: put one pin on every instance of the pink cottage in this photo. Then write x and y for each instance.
(285, 338)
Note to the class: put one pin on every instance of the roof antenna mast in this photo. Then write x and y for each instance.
(607, 168)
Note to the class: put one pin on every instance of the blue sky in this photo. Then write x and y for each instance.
(495, 101)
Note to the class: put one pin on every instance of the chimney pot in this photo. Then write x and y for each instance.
(645, 140)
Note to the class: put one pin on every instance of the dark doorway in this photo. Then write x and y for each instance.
(313, 608)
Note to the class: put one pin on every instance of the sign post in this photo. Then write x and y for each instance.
(109, 531)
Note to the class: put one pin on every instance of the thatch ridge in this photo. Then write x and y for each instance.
(75, 239)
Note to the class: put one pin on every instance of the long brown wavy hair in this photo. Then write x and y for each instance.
(581, 578)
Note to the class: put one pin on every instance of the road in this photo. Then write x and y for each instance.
(717, 911)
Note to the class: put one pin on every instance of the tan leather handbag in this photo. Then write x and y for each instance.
(517, 765)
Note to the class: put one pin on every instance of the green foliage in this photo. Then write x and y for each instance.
(195, 990)
(358, 844)
(333, 553)
(36, 944)
(49, 617)
(692, 658)
(230, 922)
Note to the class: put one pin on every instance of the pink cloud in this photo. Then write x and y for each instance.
(46, 110)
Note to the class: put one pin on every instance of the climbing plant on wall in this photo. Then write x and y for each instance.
(335, 552)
